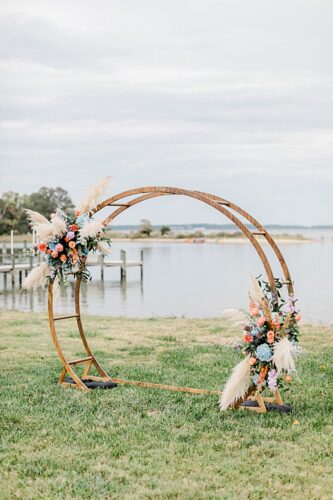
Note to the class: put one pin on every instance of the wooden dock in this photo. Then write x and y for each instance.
(20, 262)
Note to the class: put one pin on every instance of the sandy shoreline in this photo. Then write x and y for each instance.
(210, 240)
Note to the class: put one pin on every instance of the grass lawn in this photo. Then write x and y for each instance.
(146, 443)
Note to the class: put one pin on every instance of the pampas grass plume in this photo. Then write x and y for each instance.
(90, 229)
(44, 232)
(237, 385)
(94, 195)
(259, 298)
(284, 356)
(36, 278)
(36, 218)
(59, 226)
(103, 248)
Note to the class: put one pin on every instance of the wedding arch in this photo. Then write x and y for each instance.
(119, 203)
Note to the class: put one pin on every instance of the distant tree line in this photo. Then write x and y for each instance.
(44, 201)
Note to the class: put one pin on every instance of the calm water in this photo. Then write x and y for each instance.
(194, 280)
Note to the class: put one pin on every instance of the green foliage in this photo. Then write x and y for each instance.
(145, 228)
(45, 201)
(165, 230)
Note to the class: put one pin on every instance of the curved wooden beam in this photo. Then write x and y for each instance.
(142, 194)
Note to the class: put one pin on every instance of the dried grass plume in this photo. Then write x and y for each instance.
(237, 385)
(103, 248)
(257, 296)
(37, 277)
(90, 229)
(284, 356)
(93, 197)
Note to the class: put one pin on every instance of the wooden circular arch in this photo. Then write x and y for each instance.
(138, 195)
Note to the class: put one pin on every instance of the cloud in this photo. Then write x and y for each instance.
(222, 96)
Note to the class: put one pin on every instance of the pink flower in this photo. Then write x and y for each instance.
(261, 321)
(70, 235)
(270, 337)
(59, 248)
(54, 254)
(254, 310)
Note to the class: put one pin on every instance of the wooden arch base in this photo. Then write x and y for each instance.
(138, 195)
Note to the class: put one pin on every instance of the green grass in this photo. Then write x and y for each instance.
(142, 443)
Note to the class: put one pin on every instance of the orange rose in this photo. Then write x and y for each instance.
(247, 337)
(41, 247)
(298, 317)
(74, 227)
(71, 244)
(63, 258)
(77, 213)
(262, 374)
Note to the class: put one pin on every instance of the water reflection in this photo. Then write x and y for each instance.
(195, 280)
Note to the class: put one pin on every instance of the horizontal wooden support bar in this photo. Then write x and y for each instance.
(259, 233)
(82, 360)
(119, 205)
(166, 387)
(57, 318)
(97, 379)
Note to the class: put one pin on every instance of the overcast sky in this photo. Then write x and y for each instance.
(230, 97)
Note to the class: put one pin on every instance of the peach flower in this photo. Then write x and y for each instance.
(71, 244)
(261, 321)
(63, 258)
(254, 309)
(54, 254)
(252, 361)
(298, 317)
(270, 337)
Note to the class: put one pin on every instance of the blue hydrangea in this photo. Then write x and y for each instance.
(263, 352)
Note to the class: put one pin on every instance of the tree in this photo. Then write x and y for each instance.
(165, 230)
(145, 228)
(47, 200)
(11, 212)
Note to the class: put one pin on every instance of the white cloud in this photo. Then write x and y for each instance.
(232, 97)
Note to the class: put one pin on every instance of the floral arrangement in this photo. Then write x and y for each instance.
(65, 242)
(270, 338)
